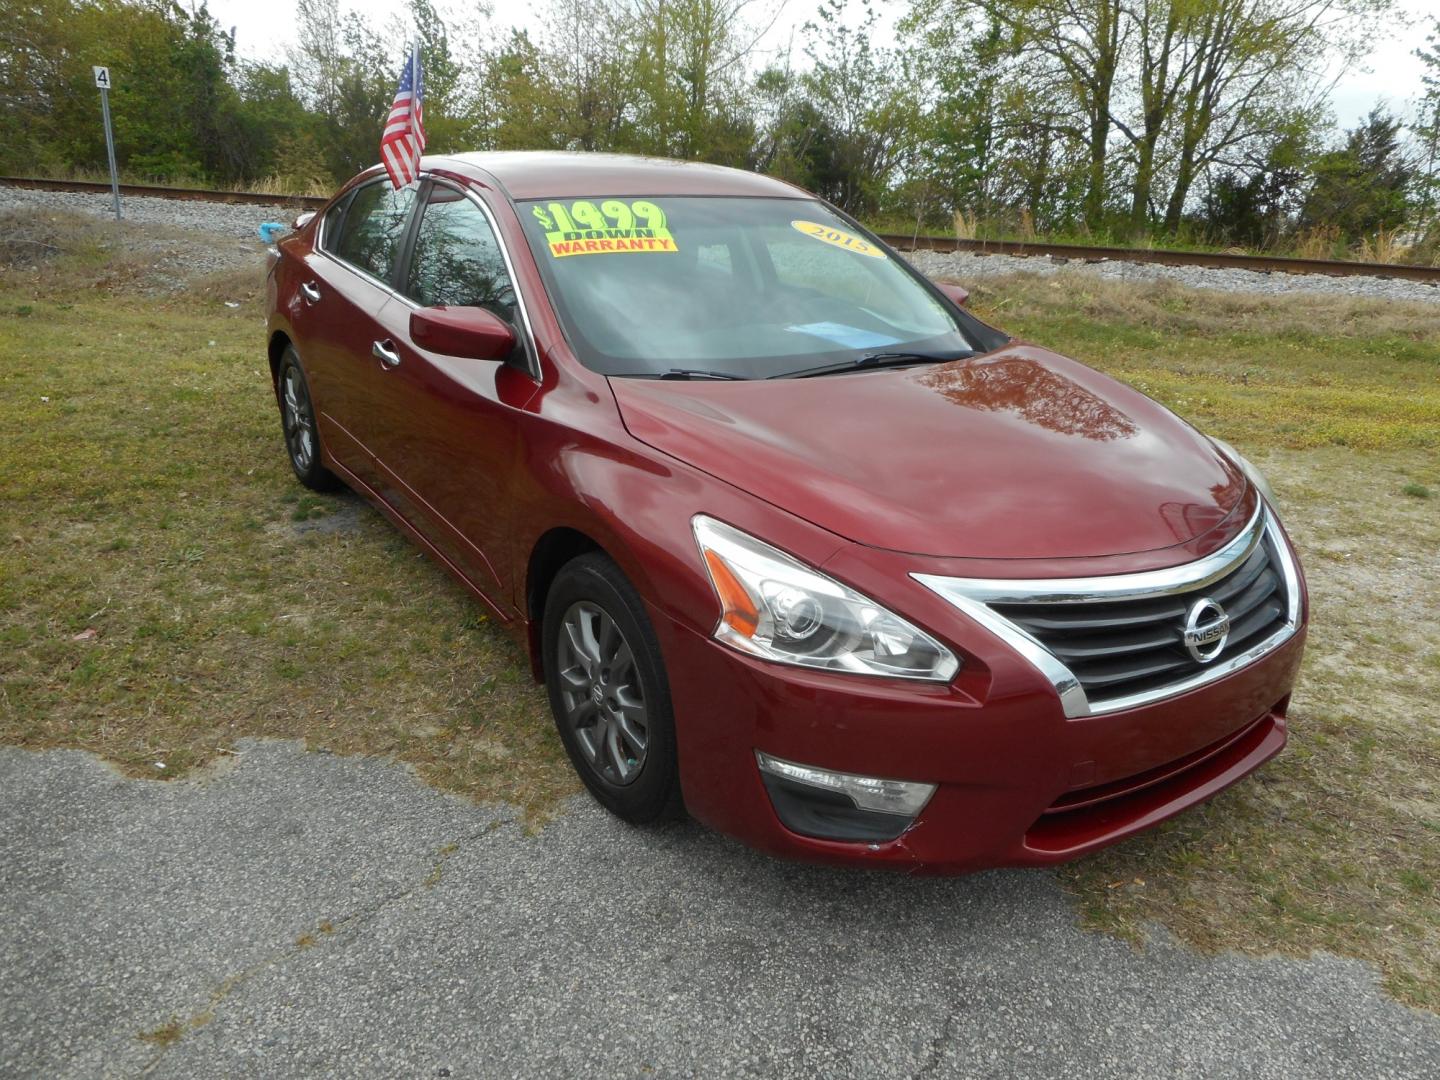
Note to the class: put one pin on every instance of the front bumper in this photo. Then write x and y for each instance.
(1018, 783)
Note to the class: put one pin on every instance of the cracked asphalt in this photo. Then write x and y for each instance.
(303, 914)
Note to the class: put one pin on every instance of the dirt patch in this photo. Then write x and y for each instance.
(45, 252)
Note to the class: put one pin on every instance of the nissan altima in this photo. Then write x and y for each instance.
(795, 542)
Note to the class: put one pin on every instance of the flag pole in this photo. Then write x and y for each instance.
(415, 88)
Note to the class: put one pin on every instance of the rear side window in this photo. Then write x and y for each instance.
(373, 227)
(801, 263)
(457, 261)
(330, 225)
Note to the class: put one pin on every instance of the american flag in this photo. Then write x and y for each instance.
(404, 138)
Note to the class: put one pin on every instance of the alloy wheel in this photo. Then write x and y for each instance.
(600, 690)
(299, 419)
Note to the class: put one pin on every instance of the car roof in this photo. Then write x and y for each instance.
(531, 174)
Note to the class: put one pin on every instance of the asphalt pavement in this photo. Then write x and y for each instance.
(299, 914)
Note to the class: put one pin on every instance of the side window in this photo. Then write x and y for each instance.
(715, 257)
(373, 228)
(810, 265)
(330, 225)
(457, 261)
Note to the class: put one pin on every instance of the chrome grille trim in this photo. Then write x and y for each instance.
(973, 596)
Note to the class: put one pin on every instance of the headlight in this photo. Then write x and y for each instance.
(1255, 476)
(774, 606)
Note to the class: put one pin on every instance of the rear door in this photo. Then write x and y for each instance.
(448, 432)
(346, 282)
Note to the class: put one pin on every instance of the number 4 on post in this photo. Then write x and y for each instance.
(102, 80)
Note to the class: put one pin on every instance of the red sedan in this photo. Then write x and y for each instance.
(795, 542)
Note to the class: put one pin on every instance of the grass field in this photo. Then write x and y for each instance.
(166, 588)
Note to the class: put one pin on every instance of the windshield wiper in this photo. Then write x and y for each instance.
(697, 373)
(679, 373)
(873, 360)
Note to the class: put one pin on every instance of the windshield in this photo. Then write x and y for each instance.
(738, 287)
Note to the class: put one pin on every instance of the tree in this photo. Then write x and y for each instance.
(1364, 186)
(1151, 94)
(590, 59)
(346, 75)
(1253, 72)
(1067, 53)
(177, 104)
(450, 113)
(962, 133)
(691, 79)
(862, 108)
(1256, 203)
(522, 104)
(1427, 132)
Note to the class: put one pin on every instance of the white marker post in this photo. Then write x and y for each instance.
(102, 80)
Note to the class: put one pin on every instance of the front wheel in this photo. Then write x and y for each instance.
(608, 690)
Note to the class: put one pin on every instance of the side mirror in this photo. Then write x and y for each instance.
(471, 332)
(304, 219)
(957, 293)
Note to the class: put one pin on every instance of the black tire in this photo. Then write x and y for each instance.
(586, 591)
(297, 424)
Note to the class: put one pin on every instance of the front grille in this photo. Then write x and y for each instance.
(1126, 646)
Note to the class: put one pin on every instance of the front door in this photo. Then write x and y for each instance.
(448, 432)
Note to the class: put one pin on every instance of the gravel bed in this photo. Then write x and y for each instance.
(240, 223)
(964, 266)
(222, 219)
(175, 242)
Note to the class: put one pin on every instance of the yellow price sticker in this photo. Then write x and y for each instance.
(612, 228)
(838, 238)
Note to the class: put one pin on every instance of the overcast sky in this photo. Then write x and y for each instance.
(1390, 75)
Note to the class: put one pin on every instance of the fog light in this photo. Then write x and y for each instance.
(904, 798)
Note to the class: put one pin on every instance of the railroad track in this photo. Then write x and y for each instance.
(1264, 264)
(250, 198)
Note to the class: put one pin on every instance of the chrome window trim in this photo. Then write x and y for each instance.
(322, 231)
(973, 596)
(369, 279)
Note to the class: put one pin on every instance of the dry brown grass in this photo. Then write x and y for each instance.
(289, 185)
(1384, 247)
(31, 241)
(1298, 370)
(267, 185)
(1167, 309)
(1318, 242)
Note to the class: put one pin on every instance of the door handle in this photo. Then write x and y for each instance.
(310, 292)
(384, 351)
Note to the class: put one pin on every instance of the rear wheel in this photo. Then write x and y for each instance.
(608, 690)
(297, 418)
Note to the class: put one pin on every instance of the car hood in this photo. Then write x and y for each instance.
(1019, 453)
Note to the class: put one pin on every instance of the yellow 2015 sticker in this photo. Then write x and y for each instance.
(613, 227)
(838, 238)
